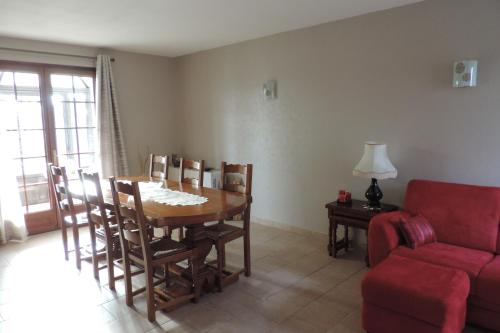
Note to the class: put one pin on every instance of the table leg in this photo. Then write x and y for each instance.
(196, 237)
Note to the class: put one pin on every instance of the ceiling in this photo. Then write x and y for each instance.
(170, 27)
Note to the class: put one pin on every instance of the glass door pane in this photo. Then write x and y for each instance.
(21, 109)
(75, 120)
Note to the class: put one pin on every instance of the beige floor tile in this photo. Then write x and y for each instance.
(321, 313)
(350, 324)
(173, 327)
(281, 305)
(294, 325)
(295, 287)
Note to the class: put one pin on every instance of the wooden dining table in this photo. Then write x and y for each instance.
(220, 205)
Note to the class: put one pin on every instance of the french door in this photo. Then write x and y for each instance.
(48, 115)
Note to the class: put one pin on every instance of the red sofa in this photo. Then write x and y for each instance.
(466, 220)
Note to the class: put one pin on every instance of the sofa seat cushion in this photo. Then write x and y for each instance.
(430, 293)
(468, 260)
(488, 282)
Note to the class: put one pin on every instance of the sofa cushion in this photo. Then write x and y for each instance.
(417, 231)
(488, 282)
(431, 293)
(468, 260)
(463, 215)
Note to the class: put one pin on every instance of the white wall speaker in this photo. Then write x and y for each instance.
(270, 89)
(465, 73)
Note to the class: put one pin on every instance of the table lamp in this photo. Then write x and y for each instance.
(375, 164)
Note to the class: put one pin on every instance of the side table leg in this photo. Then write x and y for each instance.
(330, 235)
(334, 236)
(346, 238)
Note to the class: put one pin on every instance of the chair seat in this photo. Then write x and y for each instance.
(101, 232)
(81, 219)
(161, 248)
(217, 231)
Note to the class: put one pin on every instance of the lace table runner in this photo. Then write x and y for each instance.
(154, 191)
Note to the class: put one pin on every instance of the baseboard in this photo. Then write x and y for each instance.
(289, 228)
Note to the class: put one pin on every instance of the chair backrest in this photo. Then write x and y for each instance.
(130, 216)
(244, 171)
(198, 166)
(60, 187)
(158, 166)
(93, 198)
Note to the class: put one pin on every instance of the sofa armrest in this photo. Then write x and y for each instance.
(384, 235)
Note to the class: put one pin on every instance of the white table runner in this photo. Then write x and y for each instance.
(154, 191)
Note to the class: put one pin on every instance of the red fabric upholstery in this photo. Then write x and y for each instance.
(483, 317)
(380, 320)
(430, 293)
(417, 231)
(384, 235)
(463, 215)
(480, 302)
(468, 260)
(488, 282)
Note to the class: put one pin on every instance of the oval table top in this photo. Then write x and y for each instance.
(220, 205)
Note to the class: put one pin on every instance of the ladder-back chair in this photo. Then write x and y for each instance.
(139, 247)
(222, 233)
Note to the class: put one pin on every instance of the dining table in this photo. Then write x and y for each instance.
(220, 205)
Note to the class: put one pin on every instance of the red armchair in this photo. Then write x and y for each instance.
(466, 220)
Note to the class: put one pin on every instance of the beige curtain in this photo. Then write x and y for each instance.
(12, 223)
(112, 149)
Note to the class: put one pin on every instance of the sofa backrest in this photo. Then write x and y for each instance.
(464, 215)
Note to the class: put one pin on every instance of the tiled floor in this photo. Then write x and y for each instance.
(295, 287)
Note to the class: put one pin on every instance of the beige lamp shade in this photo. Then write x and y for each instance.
(375, 163)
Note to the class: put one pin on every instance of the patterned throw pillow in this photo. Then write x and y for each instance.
(417, 231)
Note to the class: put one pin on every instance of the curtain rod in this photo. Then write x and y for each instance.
(49, 53)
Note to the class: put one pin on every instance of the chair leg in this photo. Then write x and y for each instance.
(219, 246)
(246, 252)
(93, 242)
(76, 240)
(128, 280)
(150, 297)
(167, 275)
(64, 233)
(197, 285)
(110, 263)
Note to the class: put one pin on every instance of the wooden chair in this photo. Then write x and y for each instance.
(67, 214)
(140, 248)
(102, 225)
(198, 166)
(223, 233)
(158, 166)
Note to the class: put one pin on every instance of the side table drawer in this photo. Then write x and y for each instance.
(344, 220)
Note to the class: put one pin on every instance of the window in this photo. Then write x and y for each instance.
(48, 115)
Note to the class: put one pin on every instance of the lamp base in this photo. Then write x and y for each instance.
(374, 194)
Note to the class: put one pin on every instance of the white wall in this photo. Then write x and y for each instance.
(383, 76)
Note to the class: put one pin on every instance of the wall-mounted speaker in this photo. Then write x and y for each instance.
(465, 73)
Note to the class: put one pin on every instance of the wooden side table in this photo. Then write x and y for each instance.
(354, 214)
